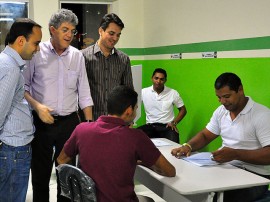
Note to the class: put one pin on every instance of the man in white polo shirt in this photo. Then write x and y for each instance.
(245, 131)
(159, 101)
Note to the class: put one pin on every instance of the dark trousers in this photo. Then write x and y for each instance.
(249, 194)
(47, 144)
(245, 195)
(158, 130)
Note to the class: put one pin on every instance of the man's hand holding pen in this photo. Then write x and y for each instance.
(223, 155)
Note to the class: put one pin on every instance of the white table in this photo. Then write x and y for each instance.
(194, 183)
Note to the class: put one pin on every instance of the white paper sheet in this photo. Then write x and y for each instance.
(201, 159)
(160, 143)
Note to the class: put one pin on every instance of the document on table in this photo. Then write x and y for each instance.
(201, 159)
(160, 143)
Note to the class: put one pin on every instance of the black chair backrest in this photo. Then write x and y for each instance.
(75, 184)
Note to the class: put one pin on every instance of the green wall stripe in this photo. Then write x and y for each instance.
(226, 45)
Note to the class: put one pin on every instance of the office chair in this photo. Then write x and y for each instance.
(75, 184)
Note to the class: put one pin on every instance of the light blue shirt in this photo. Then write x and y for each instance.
(16, 125)
(58, 81)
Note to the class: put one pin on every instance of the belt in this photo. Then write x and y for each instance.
(3, 144)
(59, 118)
(157, 124)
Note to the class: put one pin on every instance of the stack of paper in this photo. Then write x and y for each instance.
(201, 159)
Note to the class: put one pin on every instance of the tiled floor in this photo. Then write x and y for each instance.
(142, 190)
(53, 189)
(139, 189)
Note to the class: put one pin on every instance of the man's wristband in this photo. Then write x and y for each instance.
(88, 120)
(188, 145)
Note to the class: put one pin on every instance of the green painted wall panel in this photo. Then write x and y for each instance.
(194, 80)
(226, 45)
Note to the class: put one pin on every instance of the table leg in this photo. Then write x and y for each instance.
(220, 196)
(210, 196)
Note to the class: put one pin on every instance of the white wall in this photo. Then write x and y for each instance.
(151, 23)
(189, 21)
(42, 11)
(132, 14)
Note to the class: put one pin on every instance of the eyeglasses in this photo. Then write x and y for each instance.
(66, 30)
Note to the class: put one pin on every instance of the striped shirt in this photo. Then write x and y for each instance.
(16, 126)
(105, 73)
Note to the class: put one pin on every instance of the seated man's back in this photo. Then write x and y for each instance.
(109, 150)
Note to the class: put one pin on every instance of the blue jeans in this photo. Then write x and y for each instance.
(14, 172)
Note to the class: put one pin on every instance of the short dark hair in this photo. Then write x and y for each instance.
(120, 98)
(21, 27)
(160, 70)
(109, 18)
(228, 79)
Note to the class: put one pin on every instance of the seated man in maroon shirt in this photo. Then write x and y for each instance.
(109, 150)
